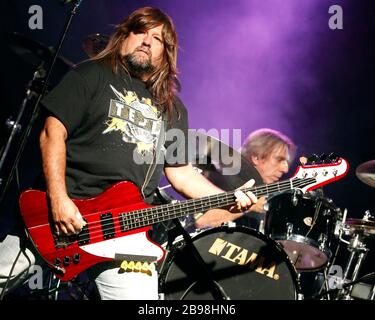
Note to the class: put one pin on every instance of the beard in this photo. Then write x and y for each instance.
(137, 67)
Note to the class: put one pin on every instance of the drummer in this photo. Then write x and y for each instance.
(270, 152)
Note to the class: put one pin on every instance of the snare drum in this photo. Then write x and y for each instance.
(304, 225)
(243, 263)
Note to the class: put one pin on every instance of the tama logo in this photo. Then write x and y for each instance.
(241, 256)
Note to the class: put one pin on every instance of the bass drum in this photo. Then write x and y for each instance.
(244, 264)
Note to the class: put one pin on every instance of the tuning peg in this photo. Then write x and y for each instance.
(324, 158)
(313, 159)
(333, 157)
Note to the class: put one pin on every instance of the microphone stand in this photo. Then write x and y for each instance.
(35, 112)
(31, 92)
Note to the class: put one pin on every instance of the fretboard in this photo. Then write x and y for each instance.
(145, 217)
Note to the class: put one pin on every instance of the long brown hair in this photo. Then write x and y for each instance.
(162, 82)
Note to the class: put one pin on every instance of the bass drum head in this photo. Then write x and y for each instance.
(244, 264)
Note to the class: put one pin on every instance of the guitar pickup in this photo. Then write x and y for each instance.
(63, 241)
(84, 236)
(108, 226)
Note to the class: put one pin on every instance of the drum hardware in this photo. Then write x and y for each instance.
(261, 226)
(341, 286)
(220, 163)
(372, 297)
(12, 124)
(345, 285)
(230, 224)
(364, 227)
(356, 246)
(322, 241)
(331, 278)
(359, 230)
(295, 198)
(94, 44)
(368, 216)
(34, 53)
(339, 227)
(216, 160)
(289, 230)
(364, 291)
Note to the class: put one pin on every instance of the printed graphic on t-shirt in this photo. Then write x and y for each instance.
(136, 119)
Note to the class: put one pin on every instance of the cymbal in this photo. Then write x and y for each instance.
(366, 227)
(220, 163)
(366, 173)
(33, 52)
(94, 43)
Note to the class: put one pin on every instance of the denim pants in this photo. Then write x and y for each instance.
(112, 284)
(18, 255)
(115, 284)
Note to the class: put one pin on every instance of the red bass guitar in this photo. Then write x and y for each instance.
(118, 220)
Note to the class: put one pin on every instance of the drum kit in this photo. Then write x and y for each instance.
(301, 235)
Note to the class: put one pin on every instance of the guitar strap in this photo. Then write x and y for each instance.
(158, 152)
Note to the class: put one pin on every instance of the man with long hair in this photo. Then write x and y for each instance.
(109, 120)
(270, 152)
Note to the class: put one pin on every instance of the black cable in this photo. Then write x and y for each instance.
(22, 250)
(10, 274)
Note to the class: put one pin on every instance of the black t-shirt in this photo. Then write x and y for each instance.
(114, 130)
(228, 183)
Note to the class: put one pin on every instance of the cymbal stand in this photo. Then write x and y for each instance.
(358, 251)
(36, 108)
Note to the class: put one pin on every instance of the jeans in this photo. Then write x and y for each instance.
(111, 282)
(114, 284)
(19, 255)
